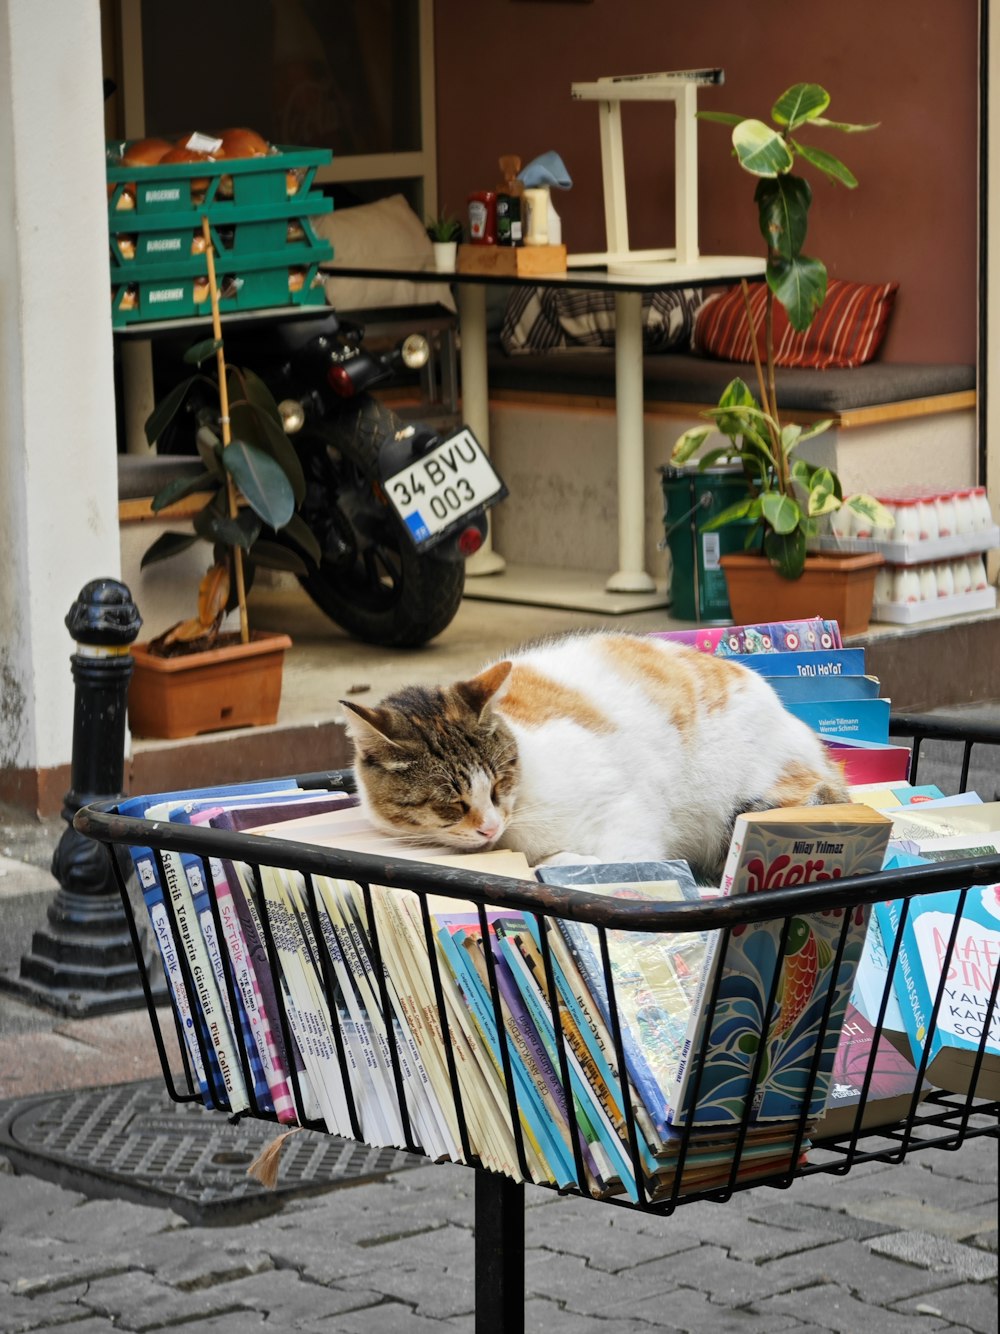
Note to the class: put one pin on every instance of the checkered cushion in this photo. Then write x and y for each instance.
(548, 319)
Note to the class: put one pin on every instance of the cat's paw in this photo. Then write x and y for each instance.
(567, 859)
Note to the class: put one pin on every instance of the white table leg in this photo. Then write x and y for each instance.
(631, 576)
(476, 401)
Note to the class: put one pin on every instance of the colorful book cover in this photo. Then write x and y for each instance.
(962, 972)
(865, 720)
(811, 663)
(866, 1057)
(801, 689)
(771, 850)
(773, 637)
(868, 761)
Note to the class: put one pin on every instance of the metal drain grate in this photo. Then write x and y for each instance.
(131, 1141)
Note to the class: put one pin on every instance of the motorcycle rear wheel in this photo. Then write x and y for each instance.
(379, 587)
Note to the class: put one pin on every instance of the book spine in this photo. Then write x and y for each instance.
(206, 990)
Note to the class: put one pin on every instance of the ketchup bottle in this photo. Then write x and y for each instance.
(483, 217)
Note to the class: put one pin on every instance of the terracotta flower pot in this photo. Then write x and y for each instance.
(838, 588)
(237, 685)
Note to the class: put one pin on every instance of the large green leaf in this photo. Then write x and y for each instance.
(741, 509)
(181, 487)
(216, 527)
(817, 428)
(260, 396)
(823, 498)
(871, 508)
(299, 532)
(790, 436)
(720, 117)
(783, 213)
(200, 352)
(780, 512)
(800, 285)
(762, 151)
(831, 166)
(800, 103)
(786, 552)
(256, 425)
(167, 545)
(261, 481)
(688, 444)
(165, 411)
(725, 454)
(273, 556)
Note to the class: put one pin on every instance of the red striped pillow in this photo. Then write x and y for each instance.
(847, 330)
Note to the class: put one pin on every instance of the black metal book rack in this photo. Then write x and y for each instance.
(743, 1156)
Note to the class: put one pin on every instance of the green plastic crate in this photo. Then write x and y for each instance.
(249, 231)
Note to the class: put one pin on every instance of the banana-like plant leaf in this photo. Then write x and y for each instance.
(783, 213)
(720, 117)
(802, 471)
(828, 164)
(725, 454)
(741, 509)
(689, 443)
(800, 285)
(165, 411)
(181, 487)
(167, 545)
(761, 149)
(790, 436)
(299, 532)
(261, 481)
(798, 104)
(844, 125)
(200, 352)
(786, 552)
(272, 556)
(871, 509)
(817, 428)
(780, 512)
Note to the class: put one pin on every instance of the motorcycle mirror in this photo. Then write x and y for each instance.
(292, 415)
(415, 352)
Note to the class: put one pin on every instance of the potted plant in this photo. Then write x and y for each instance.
(196, 676)
(445, 232)
(787, 497)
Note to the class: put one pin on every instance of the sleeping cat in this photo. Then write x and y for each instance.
(614, 746)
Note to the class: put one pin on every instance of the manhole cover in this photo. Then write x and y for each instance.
(131, 1141)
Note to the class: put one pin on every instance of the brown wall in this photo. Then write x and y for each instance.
(504, 69)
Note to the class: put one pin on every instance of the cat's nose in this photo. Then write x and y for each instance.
(489, 827)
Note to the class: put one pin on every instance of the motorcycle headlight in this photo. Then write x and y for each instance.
(292, 414)
(415, 352)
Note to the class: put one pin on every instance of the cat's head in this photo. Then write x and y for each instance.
(437, 764)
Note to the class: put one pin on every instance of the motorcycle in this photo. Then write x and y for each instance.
(396, 507)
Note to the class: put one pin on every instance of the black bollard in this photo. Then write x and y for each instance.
(83, 962)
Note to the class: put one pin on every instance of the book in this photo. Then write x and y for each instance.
(865, 720)
(866, 1057)
(807, 689)
(812, 663)
(807, 635)
(771, 850)
(868, 761)
(961, 970)
(884, 796)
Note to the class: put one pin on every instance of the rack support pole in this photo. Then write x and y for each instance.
(499, 1254)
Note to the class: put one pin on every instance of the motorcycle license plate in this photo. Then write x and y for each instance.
(434, 493)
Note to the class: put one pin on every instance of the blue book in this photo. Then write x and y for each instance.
(864, 720)
(816, 662)
(795, 689)
(969, 967)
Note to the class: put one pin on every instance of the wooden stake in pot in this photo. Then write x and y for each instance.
(220, 357)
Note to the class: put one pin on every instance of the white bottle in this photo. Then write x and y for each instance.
(928, 583)
(907, 522)
(962, 576)
(945, 506)
(886, 533)
(927, 518)
(883, 584)
(981, 505)
(841, 522)
(945, 580)
(965, 514)
(536, 203)
(977, 568)
(906, 585)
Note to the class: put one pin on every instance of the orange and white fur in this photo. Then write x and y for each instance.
(612, 746)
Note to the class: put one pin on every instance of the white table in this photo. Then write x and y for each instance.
(628, 282)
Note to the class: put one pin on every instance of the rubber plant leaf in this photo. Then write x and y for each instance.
(828, 164)
(261, 481)
(800, 285)
(168, 407)
(213, 593)
(800, 103)
(259, 395)
(215, 527)
(783, 213)
(299, 532)
(780, 512)
(786, 552)
(179, 488)
(200, 352)
(762, 150)
(274, 556)
(209, 448)
(256, 426)
(721, 117)
(167, 545)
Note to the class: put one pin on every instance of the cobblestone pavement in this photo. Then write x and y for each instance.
(888, 1248)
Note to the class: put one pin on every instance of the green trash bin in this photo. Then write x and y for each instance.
(697, 583)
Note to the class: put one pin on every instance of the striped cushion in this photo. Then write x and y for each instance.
(846, 331)
(549, 319)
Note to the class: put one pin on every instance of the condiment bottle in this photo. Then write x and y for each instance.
(509, 195)
(536, 224)
(483, 217)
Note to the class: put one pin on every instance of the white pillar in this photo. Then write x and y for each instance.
(58, 470)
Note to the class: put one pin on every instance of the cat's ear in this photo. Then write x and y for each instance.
(478, 692)
(363, 724)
